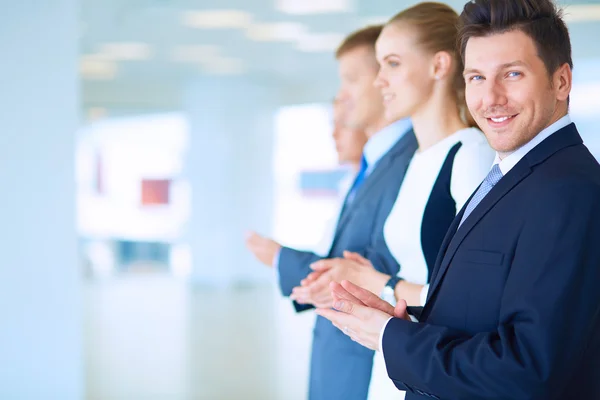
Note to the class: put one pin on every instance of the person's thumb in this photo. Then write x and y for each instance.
(400, 310)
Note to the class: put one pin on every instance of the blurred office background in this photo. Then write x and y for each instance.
(140, 140)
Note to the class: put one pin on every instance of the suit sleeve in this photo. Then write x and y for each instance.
(379, 255)
(549, 310)
(415, 311)
(293, 266)
(378, 251)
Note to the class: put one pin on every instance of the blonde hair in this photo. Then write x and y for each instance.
(436, 25)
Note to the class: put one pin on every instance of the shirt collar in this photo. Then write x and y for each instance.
(380, 143)
(509, 162)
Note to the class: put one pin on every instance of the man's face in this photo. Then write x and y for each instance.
(509, 91)
(349, 143)
(358, 69)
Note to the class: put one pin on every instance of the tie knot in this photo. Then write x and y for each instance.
(494, 175)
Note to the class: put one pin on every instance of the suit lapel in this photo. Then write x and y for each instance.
(505, 185)
(563, 138)
(405, 144)
(371, 181)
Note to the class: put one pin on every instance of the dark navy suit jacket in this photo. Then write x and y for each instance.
(514, 305)
(341, 368)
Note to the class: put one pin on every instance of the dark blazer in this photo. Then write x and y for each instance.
(514, 306)
(341, 368)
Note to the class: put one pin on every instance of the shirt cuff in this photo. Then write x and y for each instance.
(423, 296)
(381, 334)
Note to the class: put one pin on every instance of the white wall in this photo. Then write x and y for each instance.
(230, 170)
(40, 294)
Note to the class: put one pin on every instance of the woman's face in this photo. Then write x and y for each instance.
(407, 74)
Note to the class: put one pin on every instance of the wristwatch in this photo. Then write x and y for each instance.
(387, 294)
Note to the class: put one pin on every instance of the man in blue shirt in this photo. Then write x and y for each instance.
(340, 368)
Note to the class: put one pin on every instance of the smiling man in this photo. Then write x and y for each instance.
(513, 310)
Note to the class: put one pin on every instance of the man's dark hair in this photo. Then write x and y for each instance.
(363, 37)
(541, 20)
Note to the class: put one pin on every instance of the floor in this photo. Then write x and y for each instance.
(154, 337)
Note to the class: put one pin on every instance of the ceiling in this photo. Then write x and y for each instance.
(138, 55)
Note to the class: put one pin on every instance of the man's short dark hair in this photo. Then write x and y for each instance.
(541, 20)
(364, 37)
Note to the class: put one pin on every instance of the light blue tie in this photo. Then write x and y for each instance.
(488, 183)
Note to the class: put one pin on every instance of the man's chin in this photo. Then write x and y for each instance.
(504, 149)
(392, 115)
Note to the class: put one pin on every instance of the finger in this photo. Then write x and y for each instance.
(339, 319)
(400, 310)
(300, 292)
(313, 276)
(324, 295)
(351, 308)
(323, 265)
(255, 243)
(314, 291)
(323, 303)
(300, 300)
(321, 285)
(331, 315)
(318, 286)
(249, 242)
(339, 293)
(356, 257)
(253, 236)
(352, 334)
(323, 300)
(300, 289)
(368, 298)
